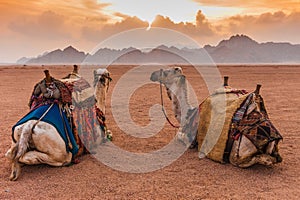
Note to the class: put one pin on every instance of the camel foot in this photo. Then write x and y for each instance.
(15, 173)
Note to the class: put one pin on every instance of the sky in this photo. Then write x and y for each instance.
(32, 27)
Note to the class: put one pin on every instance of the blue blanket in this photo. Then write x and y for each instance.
(54, 118)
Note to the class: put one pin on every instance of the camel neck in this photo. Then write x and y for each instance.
(180, 102)
(100, 95)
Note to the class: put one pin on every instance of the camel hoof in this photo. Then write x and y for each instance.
(14, 175)
(16, 171)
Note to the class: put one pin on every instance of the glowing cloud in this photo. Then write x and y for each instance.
(46, 25)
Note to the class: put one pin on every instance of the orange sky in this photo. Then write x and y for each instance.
(31, 27)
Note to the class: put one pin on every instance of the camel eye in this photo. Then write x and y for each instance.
(102, 80)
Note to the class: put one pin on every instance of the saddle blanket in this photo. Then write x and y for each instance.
(53, 117)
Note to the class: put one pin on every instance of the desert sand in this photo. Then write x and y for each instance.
(186, 178)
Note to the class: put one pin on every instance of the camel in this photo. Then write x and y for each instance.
(89, 107)
(234, 140)
(37, 141)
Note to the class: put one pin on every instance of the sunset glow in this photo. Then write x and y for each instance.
(31, 27)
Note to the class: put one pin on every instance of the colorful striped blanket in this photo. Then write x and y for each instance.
(86, 127)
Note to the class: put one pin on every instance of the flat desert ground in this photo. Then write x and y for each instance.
(188, 177)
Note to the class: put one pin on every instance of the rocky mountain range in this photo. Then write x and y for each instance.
(237, 49)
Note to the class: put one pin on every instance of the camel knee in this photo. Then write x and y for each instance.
(8, 154)
(11, 153)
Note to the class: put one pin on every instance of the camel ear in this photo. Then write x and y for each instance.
(178, 70)
(108, 76)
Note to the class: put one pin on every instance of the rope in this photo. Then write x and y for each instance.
(162, 106)
(65, 128)
(45, 113)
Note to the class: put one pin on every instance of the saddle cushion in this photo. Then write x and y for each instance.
(215, 121)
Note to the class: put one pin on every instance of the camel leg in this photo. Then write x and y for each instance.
(265, 159)
(182, 137)
(36, 157)
(11, 153)
(15, 165)
(15, 171)
(262, 159)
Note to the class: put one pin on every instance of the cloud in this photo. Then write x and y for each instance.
(48, 25)
(277, 26)
(97, 34)
(51, 20)
(121, 15)
(94, 4)
(201, 30)
(274, 4)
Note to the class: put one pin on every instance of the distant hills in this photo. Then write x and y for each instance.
(237, 49)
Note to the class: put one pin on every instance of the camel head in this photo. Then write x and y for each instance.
(101, 83)
(168, 76)
(172, 79)
(175, 83)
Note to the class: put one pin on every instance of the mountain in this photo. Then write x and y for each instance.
(23, 60)
(65, 56)
(242, 49)
(236, 49)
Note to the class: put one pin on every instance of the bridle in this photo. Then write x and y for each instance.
(103, 76)
(162, 102)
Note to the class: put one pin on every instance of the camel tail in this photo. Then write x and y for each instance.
(23, 142)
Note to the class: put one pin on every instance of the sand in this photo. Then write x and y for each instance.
(187, 177)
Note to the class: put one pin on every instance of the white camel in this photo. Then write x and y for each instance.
(243, 151)
(38, 142)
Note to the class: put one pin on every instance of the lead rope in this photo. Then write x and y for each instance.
(45, 113)
(162, 107)
(238, 150)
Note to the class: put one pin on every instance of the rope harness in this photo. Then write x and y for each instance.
(162, 103)
(38, 121)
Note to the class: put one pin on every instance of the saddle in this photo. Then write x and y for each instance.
(251, 120)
